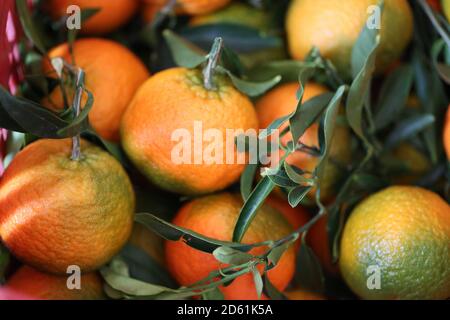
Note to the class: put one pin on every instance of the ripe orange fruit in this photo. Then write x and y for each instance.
(112, 84)
(32, 284)
(435, 4)
(317, 238)
(404, 233)
(282, 101)
(160, 124)
(303, 295)
(334, 26)
(190, 7)
(447, 133)
(215, 216)
(297, 216)
(56, 212)
(112, 14)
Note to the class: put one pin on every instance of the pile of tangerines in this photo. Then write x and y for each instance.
(70, 202)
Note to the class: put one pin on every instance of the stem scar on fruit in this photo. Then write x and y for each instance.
(213, 59)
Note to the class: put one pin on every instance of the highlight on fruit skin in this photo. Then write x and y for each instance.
(56, 212)
(214, 216)
(113, 14)
(112, 84)
(30, 284)
(334, 26)
(152, 137)
(395, 245)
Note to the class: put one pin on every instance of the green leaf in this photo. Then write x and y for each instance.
(231, 256)
(393, 96)
(296, 176)
(192, 239)
(276, 253)
(326, 131)
(184, 53)
(247, 178)
(443, 69)
(280, 178)
(270, 290)
(23, 115)
(131, 286)
(273, 126)
(364, 46)
(307, 113)
(28, 26)
(297, 194)
(238, 37)
(249, 88)
(309, 275)
(251, 206)
(257, 279)
(358, 92)
(213, 294)
(408, 128)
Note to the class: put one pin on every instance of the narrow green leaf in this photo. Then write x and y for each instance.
(270, 290)
(249, 88)
(231, 256)
(363, 47)
(259, 285)
(280, 178)
(192, 239)
(273, 126)
(297, 194)
(251, 206)
(287, 69)
(131, 286)
(358, 92)
(213, 294)
(309, 275)
(276, 253)
(326, 131)
(184, 53)
(28, 26)
(29, 116)
(247, 178)
(394, 95)
(408, 128)
(307, 113)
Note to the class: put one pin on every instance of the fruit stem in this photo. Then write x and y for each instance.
(213, 59)
(76, 106)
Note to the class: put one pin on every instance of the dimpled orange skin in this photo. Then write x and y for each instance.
(172, 100)
(113, 75)
(334, 26)
(33, 284)
(113, 14)
(282, 101)
(56, 212)
(405, 232)
(447, 133)
(215, 217)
